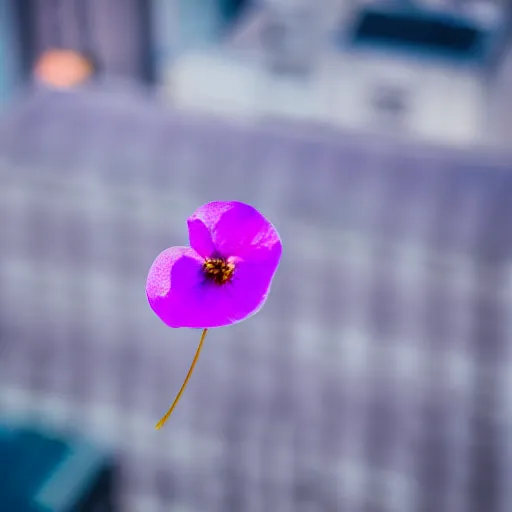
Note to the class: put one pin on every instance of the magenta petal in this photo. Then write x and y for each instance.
(199, 236)
(178, 295)
(217, 306)
(248, 291)
(232, 229)
(175, 273)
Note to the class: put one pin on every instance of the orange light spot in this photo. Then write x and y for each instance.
(63, 68)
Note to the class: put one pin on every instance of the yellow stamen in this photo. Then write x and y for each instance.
(218, 270)
(166, 416)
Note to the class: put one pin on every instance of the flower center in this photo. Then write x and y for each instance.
(218, 270)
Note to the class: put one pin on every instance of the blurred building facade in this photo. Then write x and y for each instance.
(434, 70)
(378, 376)
(127, 38)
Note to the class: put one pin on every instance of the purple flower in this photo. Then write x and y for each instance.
(224, 276)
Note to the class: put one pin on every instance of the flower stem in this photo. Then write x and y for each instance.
(162, 422)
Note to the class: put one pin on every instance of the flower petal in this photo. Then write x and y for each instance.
(232, 229)
(179, 295)
(217, 306)
(174, 274)
(248, 291)
(176, 288)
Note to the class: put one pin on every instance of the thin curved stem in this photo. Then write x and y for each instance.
(166, 416)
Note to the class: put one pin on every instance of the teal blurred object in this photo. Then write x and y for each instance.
(10, 65)
(42, 472)
(200, 23)
(14, 502)
(230, 10)
(432, 32)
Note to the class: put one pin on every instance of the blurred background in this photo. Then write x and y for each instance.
(376, 136)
